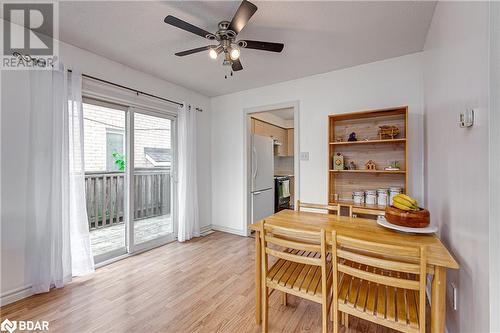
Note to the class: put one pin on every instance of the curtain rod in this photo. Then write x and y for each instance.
(29, 58)
(134, 90)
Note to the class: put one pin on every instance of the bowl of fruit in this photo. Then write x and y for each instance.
(406, 212)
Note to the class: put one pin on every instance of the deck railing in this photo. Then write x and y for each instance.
(105, 193)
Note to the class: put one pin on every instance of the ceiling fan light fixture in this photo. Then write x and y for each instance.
(213, 53)
(226, 36)
(235, 53)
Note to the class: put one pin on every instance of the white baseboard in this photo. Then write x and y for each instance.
(15, 295)
(206, 230)
(229, 230)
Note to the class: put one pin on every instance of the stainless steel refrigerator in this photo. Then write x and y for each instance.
(262, 189)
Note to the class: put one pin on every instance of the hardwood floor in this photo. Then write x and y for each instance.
(205, 285)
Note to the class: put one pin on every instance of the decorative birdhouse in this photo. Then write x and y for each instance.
(338, 162)
(388, 132)
(370, 165)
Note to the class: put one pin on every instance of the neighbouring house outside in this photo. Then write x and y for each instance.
(104, 134)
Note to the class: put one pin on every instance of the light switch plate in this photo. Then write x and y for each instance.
(467, 118)
(304, 156)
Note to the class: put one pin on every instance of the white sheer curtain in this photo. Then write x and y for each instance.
(82, 260)
(59, 237)
(189, 225)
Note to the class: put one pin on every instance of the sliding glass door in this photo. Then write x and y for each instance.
(130, 163)
(152, 186)
(105, 185)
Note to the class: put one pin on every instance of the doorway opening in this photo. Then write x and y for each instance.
(272, 148)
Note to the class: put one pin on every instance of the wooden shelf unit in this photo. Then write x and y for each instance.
(369, 147)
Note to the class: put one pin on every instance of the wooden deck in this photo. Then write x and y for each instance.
(113, 237)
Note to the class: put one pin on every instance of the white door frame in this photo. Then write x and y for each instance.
(247, 198)
(131, 245)
(494, 165)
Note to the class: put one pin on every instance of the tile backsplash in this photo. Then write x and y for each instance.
(283, 164)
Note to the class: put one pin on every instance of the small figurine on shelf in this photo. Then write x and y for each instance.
(351, 166)
(352, 137)
(338, 162)
(370, 165)
(393, 166)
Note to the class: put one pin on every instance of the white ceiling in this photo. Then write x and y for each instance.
(319, 37)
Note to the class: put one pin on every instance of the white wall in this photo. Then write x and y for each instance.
(14, 171)
(14, 149)
(456, 77)
(388, 83)
(494, 163)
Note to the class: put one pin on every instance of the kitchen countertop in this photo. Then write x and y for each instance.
(282, 173)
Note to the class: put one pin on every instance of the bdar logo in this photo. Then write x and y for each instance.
(8, 325)
(24, 325)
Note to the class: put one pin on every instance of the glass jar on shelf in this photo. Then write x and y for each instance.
(382, 196)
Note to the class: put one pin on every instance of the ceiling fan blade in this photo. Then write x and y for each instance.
(236, 65)
(242, 16)
(264, 46)
(196, 50)
(176, 22)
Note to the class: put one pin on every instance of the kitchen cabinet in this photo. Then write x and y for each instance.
(281, 150)
(278, 133)
(290, 141)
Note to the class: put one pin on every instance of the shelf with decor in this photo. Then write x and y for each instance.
(380, 141)
(343, 143)
(368, 171)
(356, 205)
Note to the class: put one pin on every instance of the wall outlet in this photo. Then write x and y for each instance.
(452, 294)
(304, 156)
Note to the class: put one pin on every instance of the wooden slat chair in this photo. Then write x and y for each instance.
(353, 211)
(328, 208)
(303, 267)
(381, 283)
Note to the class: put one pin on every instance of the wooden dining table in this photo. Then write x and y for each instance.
(439, 258)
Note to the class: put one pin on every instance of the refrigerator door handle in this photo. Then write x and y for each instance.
(254, 162)
(257, 193)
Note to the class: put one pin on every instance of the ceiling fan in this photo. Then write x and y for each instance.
(226, 37)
